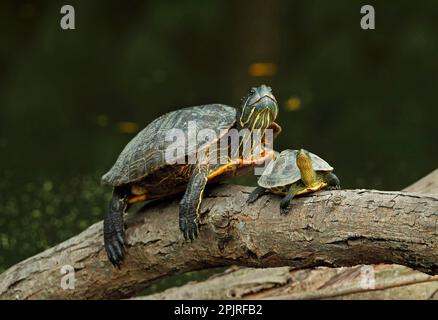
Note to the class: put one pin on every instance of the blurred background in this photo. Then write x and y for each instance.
(71, 99)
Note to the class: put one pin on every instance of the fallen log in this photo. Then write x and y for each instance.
(381, 281)
(385, 282)
(328, 228)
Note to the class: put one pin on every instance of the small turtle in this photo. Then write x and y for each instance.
(142, 171)
(292, 173)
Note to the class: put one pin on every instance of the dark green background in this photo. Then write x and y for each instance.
(368, 99)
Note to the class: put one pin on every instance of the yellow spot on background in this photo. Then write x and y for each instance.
(127, 127)
(293, 104)
(262, 69)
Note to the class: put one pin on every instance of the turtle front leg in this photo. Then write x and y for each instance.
(190, 205)
(113, 226)
(255, 194)
(291, 193)
(332, 181)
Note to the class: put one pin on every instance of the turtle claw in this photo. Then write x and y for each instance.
(251, 199)
(120, 239)
(284, 207)
(255, 194)
(114, 239)
(114, 246)
(190, 229)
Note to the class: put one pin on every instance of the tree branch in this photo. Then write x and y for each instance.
(319, 283)
(329, 228)
(388, 281)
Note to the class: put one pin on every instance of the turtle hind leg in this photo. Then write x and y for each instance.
(113, 226)
(291, 193)
(332, 181)
(190, 205)
(255, 194)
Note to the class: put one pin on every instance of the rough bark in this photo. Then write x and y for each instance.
(329, 228)
(388, 281)
(358, 282)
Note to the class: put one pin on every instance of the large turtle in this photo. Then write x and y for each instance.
(143, 170)
(292, 173)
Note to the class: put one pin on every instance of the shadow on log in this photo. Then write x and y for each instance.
(329, 228)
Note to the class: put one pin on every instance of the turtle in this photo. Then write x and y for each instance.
(292, 173)
(143, 172)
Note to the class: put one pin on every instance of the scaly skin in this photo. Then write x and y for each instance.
(308, 175)
(190, 204)
(113, 226)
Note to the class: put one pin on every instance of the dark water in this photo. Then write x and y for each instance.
(366, 101)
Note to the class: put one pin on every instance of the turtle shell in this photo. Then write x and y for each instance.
(284, 170)
(145, 153)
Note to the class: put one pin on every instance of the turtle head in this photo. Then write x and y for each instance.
(304, 163)
(258, 108)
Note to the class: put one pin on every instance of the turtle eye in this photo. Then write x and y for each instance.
(251, 92)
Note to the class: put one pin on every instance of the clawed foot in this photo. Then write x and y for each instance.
(252, 198)
(332, 181)
(284, 206)
(333, 188)
(189, 228)
(115, 248)
(114, 240)
(255, 194)
(284, 211)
